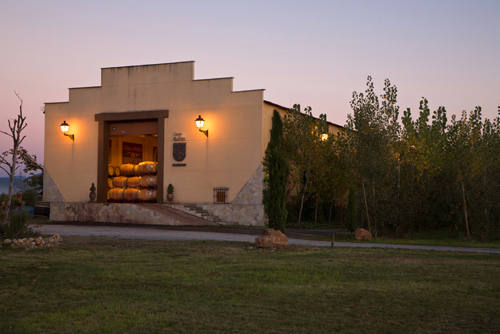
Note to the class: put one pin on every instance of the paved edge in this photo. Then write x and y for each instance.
(254, 230)
(154, 233)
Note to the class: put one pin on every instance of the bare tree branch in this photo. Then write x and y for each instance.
(8, 134)
(4, 169)
(16, 128)
(20, 100)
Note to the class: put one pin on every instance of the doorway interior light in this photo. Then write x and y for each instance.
(199, 124)
(65, 128)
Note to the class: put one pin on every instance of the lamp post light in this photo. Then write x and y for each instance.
(199, 124)
(64, 128)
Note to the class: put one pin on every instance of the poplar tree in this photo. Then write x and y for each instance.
(275, 177)
(396, 176)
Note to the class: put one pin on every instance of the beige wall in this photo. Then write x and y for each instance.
(228, 157)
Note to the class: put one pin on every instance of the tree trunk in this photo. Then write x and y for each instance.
(366, 208)
(485, 202)
(302, 203)
(330, 214)
(399, 176)
(316, 211)
(374, 210)
(467, 228)
(11, 186)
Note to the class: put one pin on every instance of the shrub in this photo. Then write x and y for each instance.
(17, 226)
(31, 197)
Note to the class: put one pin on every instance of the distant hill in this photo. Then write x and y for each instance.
(18, 184)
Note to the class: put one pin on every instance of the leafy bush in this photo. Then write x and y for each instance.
(15, 203)
(17, 226)
(31, 197)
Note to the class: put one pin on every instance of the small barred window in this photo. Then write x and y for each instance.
(220, 194)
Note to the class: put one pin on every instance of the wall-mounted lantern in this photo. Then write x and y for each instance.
(199, 124)
(324, 137)
(65, 128)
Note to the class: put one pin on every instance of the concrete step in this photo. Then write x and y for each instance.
(198, 211)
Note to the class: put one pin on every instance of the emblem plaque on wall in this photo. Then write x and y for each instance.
(179, 150)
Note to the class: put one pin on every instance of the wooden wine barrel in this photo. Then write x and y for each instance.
(146, 167)
(115, 194)
(117, 171)
(147, 195)
(127, 169)
(134, 182)
(120, 181)
(111, 170)
(110, 183)
(131, 194)
(136, 170)
(148, 181)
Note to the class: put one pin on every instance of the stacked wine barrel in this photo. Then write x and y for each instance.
(132, 183)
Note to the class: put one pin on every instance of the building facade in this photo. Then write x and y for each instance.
(140, 131)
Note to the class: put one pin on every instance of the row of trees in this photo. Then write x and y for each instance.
(392, 174)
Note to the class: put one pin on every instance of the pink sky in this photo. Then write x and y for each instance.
(313, 53)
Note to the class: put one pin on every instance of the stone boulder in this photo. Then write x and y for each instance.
(271, 239)
(28, 243)
(362, 234)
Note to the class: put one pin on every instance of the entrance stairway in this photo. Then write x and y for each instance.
(42, 209)
(184, 215)
(197, 211)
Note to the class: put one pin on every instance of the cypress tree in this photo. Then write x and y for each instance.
(275, 176)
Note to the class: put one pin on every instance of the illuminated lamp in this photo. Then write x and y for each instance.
(65, 128)
(199, 124)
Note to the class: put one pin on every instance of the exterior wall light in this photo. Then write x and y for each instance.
(324, 136)
(199, 124)
(64, 128)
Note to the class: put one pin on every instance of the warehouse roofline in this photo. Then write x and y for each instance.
(287, 108)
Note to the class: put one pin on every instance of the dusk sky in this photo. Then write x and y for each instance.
(309, 52)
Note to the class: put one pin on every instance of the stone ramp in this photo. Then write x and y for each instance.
(197, 211)
(128, 213)
(179, 216)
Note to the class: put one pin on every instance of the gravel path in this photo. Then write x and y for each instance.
(151, 233)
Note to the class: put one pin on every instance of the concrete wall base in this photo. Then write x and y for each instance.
(153, 214)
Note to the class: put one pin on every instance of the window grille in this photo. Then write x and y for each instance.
(220, 194)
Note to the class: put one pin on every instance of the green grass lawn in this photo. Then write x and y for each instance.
(121, 286)
(438, 242)
(426, 239)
